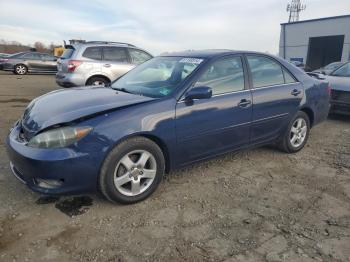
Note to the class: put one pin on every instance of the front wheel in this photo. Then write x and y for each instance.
(132, 171)
(297, 133)
(21, 69)
(97, 81)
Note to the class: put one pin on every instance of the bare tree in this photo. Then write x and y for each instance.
(39, 46)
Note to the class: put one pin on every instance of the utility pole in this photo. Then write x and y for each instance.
(294, 9)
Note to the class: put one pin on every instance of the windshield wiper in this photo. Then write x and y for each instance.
(123, 90)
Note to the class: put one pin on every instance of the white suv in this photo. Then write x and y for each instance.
(97, 62)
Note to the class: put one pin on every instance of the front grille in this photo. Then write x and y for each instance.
(340, 95)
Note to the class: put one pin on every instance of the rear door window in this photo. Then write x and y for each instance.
(116, 54)
(265, 71)
(94, 53)
(138, 56)
(31, 56)
(47, 57)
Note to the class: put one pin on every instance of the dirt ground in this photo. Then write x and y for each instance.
(258, 205)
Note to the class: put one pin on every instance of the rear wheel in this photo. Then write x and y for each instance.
(297, 133)
(97, 81)
(21, 69)
(132, 171)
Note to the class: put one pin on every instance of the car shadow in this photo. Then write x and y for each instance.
(337, 117)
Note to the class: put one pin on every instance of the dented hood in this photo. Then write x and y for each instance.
(67, 105)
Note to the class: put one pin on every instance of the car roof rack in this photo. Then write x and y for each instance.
(107, 42)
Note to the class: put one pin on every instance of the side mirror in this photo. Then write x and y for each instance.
(200, 92)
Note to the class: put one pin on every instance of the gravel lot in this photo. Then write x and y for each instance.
(258, 205)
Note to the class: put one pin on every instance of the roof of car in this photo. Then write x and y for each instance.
(209, 53)
(101, 43)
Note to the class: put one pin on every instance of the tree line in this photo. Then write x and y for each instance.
(11, 47)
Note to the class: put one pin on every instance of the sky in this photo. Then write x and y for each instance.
(158, 25)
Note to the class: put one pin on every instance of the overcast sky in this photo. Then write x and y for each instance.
(158, 25)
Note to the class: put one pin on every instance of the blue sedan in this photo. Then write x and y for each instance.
(171, 111)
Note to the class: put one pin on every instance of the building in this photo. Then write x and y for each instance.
(316, 42)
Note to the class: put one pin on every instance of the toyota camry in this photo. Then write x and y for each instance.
(168, 112)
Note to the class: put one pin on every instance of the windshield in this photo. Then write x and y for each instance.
(333, 66)
(157, 77)
(16, 55)
(342, 71)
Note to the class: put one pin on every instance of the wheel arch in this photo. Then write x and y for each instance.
(310, 113)
(162, 146)
(17, 64)
(158, 141)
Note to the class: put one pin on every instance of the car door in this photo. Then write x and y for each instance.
(49, 63)
(276, 97)
(92, 64)
(206, 127)
(116, 62)
(32, 60)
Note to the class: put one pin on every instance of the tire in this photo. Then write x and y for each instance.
(125, 182)
(298, 131)
(97, 81)
(20, 69)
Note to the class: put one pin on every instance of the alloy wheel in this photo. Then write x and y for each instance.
(135, 172)
(298, 132)
(21, 70)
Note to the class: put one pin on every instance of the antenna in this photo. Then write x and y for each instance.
(294, 9)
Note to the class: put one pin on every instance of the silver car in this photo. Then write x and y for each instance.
(97, 63)
(339, 81)
(29, 62)
(328, 69)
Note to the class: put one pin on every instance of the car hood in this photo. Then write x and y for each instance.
(64, 106)
(339, 83)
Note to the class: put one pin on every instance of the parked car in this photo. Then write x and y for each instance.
(97, 62)
(340, 90)
(29, 62)
(168, 112)
(301, 65)
(328, 69)
(3, 55)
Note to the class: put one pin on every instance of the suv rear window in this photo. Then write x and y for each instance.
(117, 54)
(93, 53)
(67, 53)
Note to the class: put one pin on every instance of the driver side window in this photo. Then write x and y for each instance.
(223, 76)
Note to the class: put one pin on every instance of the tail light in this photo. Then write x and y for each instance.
(73, 64)
(3, 60)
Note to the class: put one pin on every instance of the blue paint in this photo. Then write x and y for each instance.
(186, 131)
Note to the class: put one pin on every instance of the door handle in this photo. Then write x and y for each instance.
(244, 103)
(107, 65)
(295, 92)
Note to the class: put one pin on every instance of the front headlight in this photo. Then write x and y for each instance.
(59, 137)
